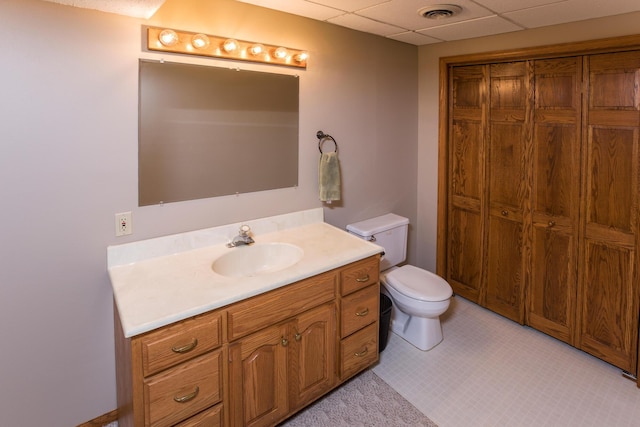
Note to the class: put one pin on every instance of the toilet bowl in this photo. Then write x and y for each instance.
(419, 297)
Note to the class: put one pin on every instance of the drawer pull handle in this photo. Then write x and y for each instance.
(363, 312)
(298, 337)
(363, 279)
(187, 397)
(361, 353)
(285, 342)
(185, 348)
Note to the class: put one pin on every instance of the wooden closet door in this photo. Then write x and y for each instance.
(468, 133)
(556, 192)
(510, 119)
(608, 294)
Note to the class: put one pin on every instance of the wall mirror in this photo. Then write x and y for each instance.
(208, 131)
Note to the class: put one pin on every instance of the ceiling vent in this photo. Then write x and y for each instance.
(439, 11)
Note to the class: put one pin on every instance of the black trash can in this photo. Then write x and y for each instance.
(385, 319)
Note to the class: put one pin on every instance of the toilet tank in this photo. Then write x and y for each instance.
(388, 231)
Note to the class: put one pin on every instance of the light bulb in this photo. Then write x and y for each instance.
(230, 45)
(168, 37)
(256, 49)
(200, 41)
(302, 56)
(280, 53)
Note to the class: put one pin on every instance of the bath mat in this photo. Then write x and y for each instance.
(363, 401)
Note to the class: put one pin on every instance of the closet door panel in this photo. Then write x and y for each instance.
(509, 177)
(609, 311)
(504, 271)
(611, 166)
(467, 130)
(466, 168)
(556, 191)
(507, 168)
(465, 253)
(608, 294)
(556, 169)
(551, 302)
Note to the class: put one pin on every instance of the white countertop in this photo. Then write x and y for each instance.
(156, 291)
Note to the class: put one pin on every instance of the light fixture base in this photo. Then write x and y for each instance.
(200, 44)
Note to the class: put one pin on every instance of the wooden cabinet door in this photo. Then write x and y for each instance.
(510, 133)
(608, 290)
(313, 354)
(556, 197)
(468, 133)
(258, 378)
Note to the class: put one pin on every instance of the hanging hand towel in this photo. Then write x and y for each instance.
(329, 177)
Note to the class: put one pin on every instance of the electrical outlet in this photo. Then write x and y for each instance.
(124, 226)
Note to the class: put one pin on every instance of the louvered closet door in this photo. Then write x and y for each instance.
(608, 294)
(510, 136)
(556, 192)
(467, 130)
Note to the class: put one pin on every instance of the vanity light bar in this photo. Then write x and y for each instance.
(185, 42)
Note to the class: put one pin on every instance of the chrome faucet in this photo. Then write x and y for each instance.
(242, 238)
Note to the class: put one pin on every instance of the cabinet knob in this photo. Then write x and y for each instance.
(363, 312)
(552, 223)
(363, 279)
(285, 342)
(187, 397)
(361, 353)
(185, 348)
(298, 336)
(505, 212)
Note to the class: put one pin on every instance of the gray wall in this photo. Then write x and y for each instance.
(68, 163)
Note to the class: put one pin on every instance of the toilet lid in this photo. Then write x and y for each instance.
(419, 284)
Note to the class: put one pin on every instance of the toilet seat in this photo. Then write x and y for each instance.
(419, 284)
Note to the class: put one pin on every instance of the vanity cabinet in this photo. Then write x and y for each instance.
(277, 369)
(359, 312)
(254, 362)
(170, 374)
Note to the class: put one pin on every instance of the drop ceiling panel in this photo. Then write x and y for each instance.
(299, 7)
(404, 13)
(571, 10)
(469, 29)
(501, 6)
(349, 5)
(367, 25)
(412, 37)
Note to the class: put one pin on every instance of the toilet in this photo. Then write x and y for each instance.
(419, 297)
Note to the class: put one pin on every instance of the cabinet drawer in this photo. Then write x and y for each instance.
(183, 391)
(359, 275)
(358, 351)
(266, 309)
(209, 418)
(359, 309)
(174, 344)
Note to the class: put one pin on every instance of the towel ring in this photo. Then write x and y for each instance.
(321, 138)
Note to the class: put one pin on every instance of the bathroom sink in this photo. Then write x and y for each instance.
(257, 259)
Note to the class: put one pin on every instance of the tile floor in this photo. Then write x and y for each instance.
(490, 371)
